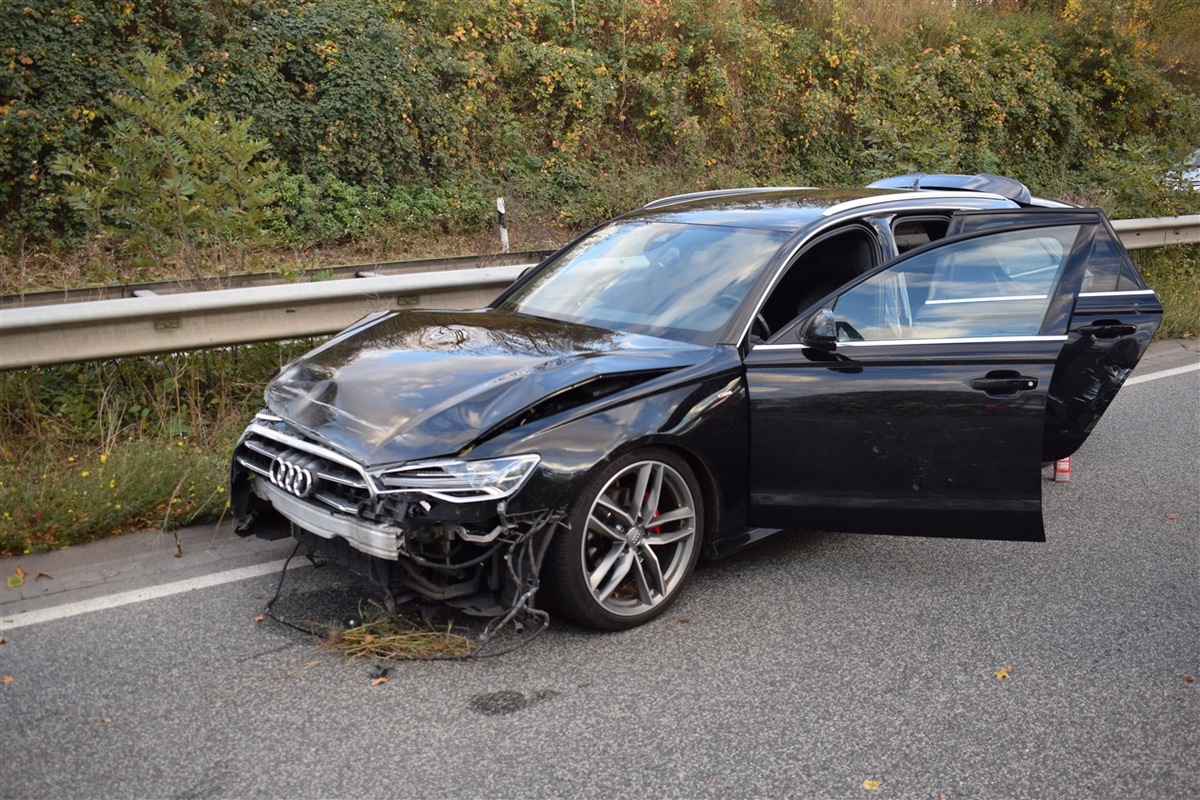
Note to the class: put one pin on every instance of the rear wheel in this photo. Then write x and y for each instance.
(633, 538)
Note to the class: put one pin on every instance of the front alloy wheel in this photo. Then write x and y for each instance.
(634, 537)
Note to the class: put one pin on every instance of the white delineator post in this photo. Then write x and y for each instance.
(503, 225)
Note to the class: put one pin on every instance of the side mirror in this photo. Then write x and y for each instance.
(820, 331)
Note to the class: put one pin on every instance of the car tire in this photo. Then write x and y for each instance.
(622, 559)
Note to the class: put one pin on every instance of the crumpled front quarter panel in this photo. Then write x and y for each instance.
(700, 412)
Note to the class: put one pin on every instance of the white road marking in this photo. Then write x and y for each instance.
(7, 623)
(1166, 373)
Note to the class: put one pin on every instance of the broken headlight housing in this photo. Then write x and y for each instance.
(458, 481)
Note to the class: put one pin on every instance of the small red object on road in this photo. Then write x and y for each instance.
(1062, 469)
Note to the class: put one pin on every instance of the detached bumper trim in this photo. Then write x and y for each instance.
(383, 541)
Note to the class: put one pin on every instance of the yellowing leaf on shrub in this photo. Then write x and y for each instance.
(1003, 673)
(872, 785)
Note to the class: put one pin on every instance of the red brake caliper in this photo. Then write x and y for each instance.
(652, 516)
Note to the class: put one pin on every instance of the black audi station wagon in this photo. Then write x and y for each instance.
(697, 375)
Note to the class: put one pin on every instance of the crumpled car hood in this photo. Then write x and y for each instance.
(423, 384)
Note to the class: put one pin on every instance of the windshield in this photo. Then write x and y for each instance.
(667, 279)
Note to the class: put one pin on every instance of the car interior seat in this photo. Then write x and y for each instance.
(852, 256)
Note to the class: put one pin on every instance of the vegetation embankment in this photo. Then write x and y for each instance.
(150, 139)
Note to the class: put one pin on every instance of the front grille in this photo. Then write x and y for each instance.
(311, 474)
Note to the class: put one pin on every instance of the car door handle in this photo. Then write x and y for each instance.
(1004, 385)
(1108, 330)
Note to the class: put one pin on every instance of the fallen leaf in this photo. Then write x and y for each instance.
(3, 640)
(368, 638)
(105, 720)
(1172, 516)
(1003, 673)
(41, 575)
(581, 684)
(872, 785)
(378, 681)
(258, 597)
(7, 679)
(259, 618)
(17, 578)
(1186, 678)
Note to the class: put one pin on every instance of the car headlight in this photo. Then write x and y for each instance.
(463, 481)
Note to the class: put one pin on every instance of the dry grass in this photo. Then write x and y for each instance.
(41, 270)
(893, 20)
(399, 639)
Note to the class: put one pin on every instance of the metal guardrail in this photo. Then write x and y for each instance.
(373, 269)
(149, 324)
(1139, 234)
(146, 325)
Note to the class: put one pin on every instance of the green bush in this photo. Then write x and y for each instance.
(1174, 273)
(333, 212)
(168, 182)
(395, 118)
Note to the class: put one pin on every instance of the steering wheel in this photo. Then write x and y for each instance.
(760, 328)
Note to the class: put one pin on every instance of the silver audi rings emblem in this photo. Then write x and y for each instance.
(292, 477)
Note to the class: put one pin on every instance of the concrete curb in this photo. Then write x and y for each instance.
(129, 562)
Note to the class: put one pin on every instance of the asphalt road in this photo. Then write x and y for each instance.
(800, 669)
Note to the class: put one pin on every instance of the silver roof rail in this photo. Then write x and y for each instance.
(713, 193)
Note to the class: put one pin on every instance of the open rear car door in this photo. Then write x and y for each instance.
(925, 399)
(1112, 322)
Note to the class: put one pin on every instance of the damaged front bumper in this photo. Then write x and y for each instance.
(438, 530)
(381, 541)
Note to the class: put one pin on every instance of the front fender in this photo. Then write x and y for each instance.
(705, 421)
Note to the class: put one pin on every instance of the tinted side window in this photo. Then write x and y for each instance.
(1104, 265)
(999, 284)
